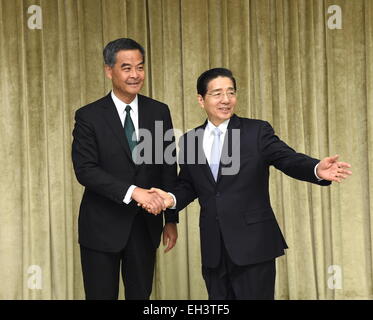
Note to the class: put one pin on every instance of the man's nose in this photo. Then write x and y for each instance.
(225, 98)
(134, 73)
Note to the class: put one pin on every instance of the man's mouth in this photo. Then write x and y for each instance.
(224, 109)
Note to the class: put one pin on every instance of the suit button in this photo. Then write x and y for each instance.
(217, 218)
(217, 194)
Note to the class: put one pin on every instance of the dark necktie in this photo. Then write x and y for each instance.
(129, 129)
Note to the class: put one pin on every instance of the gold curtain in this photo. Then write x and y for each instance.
(314, 84)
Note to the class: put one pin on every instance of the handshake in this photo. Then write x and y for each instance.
(154, 200)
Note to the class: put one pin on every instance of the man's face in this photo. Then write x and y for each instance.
(127, 75)
(220, 100)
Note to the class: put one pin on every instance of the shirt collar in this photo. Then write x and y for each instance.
(223, 126)
(121, 106)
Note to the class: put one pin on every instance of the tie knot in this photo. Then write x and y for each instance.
(216, 132)
(128, 108)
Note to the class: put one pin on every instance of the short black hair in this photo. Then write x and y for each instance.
(207, 76)
(113, 47)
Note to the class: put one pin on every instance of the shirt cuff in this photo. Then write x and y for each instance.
(315, 170)
(128, 198)
(174, 206)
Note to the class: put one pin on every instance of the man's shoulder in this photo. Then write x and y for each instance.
(195, 131)
(251, 121)
(150, 101)
(93, 106)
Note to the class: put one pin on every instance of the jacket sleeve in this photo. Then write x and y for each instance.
(185, 191)
(169, 167)
(85, 157)
(284, 158)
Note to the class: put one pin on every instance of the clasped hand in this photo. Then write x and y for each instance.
(154, 200)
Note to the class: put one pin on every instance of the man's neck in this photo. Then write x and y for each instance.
(218, 123)
(125, 98)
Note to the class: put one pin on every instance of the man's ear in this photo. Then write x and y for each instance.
(108, 71)
(201, 101)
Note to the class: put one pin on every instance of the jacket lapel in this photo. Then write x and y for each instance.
(112, 118)
(200, 158)
(234, 123)
(143, 116)
(146, 121)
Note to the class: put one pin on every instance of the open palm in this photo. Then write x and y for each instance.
(333, 170)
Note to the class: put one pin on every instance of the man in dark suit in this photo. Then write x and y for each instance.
(225, 164)
(114, 232)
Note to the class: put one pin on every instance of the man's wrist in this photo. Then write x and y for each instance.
(315, 171)
(174, 198)
(128, 197)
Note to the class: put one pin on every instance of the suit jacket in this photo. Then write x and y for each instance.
(237, 207)
(103, 165)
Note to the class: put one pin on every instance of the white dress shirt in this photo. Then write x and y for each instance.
(208, 137)
(121, 108)
(207, 141)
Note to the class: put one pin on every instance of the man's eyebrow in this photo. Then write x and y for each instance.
(129, 65)
(221, 89)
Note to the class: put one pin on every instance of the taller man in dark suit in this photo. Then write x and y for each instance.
(225, 164)
(114, 233)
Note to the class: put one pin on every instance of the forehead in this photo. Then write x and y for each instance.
(129, 57)
(220, 83)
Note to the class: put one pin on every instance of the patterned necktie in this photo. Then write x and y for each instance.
(215, 153)
(129, 129)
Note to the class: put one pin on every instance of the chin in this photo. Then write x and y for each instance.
(226, 117)
(133, 90)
